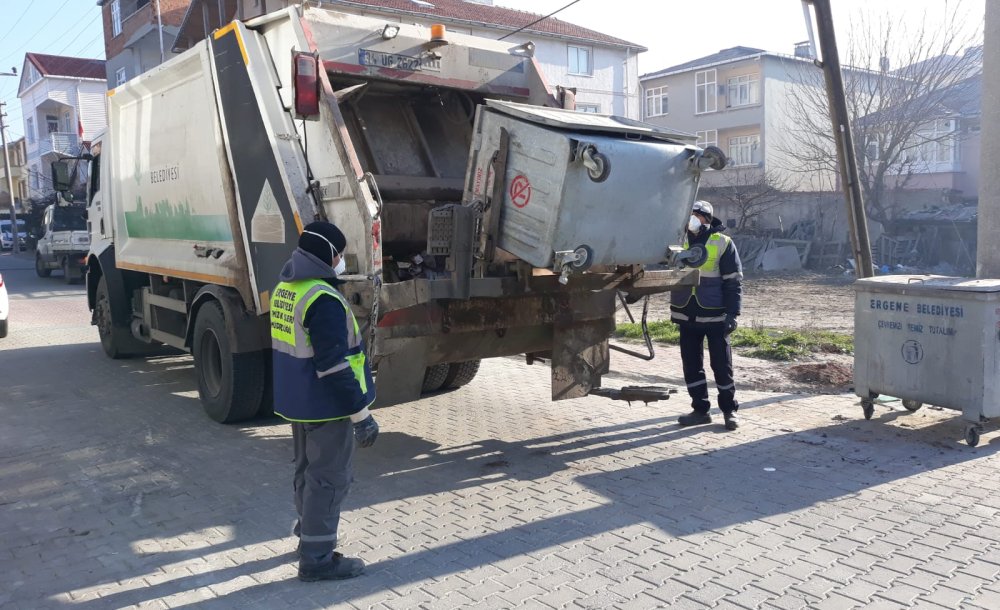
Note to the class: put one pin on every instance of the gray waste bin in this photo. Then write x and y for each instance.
(929, 340)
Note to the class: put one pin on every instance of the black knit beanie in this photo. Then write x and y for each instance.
(317, 246)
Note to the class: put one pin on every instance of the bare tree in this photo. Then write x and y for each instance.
(747, 192)
(904, 120)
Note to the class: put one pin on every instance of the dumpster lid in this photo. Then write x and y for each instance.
(571, 119)
(933, 282)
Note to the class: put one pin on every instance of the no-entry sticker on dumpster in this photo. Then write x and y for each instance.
(520, 191)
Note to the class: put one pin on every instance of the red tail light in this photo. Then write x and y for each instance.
(305, 71)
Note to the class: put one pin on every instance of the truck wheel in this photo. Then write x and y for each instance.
(3, 328)
(116, 341)
(230, 385)
(434, 377)
(40, 269)
(67, 272)
(461, 373)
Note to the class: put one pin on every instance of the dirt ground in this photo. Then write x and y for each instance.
(795, 300)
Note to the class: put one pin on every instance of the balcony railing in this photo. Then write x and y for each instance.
(63, 143)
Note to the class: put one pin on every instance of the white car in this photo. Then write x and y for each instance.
(4, 308)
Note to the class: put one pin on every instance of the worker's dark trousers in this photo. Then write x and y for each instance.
(324, 456)
(693, 337)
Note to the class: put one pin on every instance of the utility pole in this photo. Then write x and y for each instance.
(844, 141)
(987, 251)
(10, 181)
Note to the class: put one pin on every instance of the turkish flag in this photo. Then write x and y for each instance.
(79, 128)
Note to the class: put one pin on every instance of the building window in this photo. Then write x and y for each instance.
(936, 144)
(120, 77)
(744, 90)
(29, 129)
(709, 137)
(116, 18)
(591, 108)
(34, 177)
(579, 61)
(706, 97)
(743, 150)
(656, 101)
(872, 146)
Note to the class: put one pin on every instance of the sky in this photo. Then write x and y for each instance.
(675, 31)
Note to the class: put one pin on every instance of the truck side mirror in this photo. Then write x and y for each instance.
(61, 176)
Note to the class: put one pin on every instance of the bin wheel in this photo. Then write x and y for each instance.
(912, 405)
(867, 407)
(585, 257)
(972, 435)
(603, 168)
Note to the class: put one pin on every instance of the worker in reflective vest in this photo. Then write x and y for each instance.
(709, 310)
(323, 386)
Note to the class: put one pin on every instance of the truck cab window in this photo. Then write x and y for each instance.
(95, 176)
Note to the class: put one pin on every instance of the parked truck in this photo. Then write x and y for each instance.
(483, 218)
(64, 242)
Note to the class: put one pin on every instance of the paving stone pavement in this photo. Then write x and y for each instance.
(116, 491)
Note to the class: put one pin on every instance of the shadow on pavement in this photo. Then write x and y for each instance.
(107, 471)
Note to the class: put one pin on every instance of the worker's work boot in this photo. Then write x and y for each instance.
(339, 568)
(732, 422)
(694, 418)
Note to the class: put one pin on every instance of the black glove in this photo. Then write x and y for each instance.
(366, 431)
(730, 323)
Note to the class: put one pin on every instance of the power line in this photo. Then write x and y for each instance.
(35, 35)
(26, 9)
(539, 20)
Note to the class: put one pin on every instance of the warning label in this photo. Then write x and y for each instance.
(520, 191)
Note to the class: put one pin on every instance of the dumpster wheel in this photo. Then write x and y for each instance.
(972, 435)
(912, 405)
(867, 407)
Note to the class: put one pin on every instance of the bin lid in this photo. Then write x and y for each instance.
(931, 282)
(588, 121)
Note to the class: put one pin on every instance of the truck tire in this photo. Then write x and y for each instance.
(40, 269)
(3, 328)
(435, 377)
(230, 385)
(67, 272)
(117, 341)
(461, 373)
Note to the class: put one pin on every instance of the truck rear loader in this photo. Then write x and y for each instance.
(483, 218)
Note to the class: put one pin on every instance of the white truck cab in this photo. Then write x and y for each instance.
(64, 242)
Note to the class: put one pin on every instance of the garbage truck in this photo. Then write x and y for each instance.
(484, 218)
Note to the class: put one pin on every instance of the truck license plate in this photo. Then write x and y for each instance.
(380, 59)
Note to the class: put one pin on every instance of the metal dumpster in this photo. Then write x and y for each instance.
(929, 339)
(582, 189)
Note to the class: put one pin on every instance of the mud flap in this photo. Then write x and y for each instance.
(401, 373)
(579, 357)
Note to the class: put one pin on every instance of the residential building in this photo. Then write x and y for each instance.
(63, 106)
(17, 157)
(138, 35)
(602, 69)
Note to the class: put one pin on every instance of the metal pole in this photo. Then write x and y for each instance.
(159, 24)
(987, 247)
(10, 181)
(843, 139)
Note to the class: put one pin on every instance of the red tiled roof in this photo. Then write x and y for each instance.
(73, 67)
(496, 16)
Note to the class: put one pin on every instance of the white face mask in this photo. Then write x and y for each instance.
(341, 266)
(694, 224)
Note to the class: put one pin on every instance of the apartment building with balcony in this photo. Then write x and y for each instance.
(63, 106)
(602, 69)
(17, 156)
(139, 35)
